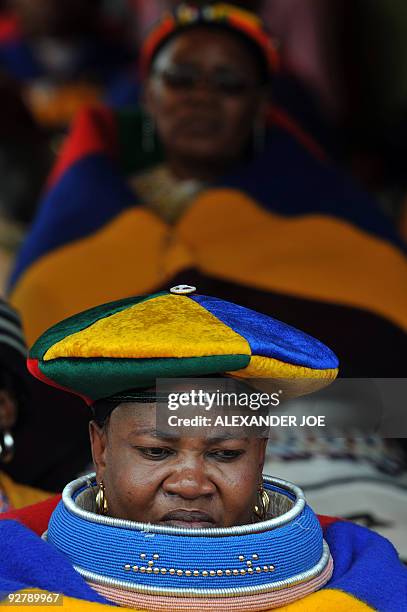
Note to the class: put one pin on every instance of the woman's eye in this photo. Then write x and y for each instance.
(226, 454)
(155, 452)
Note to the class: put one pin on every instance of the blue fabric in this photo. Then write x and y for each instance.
(292, 549)
(366, 566)
(289, 180)
(89, 194)
(27, 561)
(270, 338)
(17, 60)
(377, 576)
(94, 58)
(125, 91)
(286, 179)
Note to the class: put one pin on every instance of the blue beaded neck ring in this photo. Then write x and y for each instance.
(277, 554)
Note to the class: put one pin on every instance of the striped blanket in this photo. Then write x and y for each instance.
(367, 572)
(286, 233)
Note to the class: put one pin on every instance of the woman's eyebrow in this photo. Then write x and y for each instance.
(165, 435)
(155, 433)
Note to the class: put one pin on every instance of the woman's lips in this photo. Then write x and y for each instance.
(199, 125)
(194, 519)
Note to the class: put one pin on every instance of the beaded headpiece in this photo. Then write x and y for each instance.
(230, 17)
(154, 567)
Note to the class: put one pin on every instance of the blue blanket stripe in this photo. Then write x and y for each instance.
(286, 179)
(27, 561)
(289, 180)
(88, 195)
(17, 59)
(366, 566)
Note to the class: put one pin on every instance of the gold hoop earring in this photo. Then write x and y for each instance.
(262, 505)
(101, 501)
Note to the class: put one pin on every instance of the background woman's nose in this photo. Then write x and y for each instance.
(189, 483)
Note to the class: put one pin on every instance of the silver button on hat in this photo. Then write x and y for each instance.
(182, 289)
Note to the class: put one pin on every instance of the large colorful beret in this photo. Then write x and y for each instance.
(222, 14)
(126, 345)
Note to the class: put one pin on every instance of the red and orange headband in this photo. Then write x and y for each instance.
(226, 15)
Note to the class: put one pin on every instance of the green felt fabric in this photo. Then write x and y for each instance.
(81, 321)
(117, 375)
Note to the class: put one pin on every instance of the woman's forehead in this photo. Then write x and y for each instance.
(140, 415)
(140, 420)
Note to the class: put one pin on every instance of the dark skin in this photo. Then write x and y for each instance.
(205, 130)
(184, 481)
(8, 410)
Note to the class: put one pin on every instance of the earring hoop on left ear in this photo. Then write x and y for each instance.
(262, 505)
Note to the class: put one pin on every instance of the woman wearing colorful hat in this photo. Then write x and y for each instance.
(175, 521)
(210, 181)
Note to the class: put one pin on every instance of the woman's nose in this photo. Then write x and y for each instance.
(189, 483)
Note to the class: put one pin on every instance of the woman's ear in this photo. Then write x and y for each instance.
(262, 453)
(98, 442)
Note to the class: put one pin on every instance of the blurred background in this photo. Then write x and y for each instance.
(341, 88)
(348, 63)
(344, 65)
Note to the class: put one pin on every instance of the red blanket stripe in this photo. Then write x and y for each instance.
(93, 131)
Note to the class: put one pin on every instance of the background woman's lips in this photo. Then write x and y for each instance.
(199, 124)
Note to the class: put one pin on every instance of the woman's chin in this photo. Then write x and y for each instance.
(200, 150)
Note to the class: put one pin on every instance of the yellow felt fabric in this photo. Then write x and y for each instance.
(108, 265)
(292, 379)
(21, 495)
(268, 367)
(224, 234)
(68, 603)
(327, 600)
(165, 326)
(310, 256)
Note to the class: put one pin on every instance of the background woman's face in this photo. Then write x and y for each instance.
(183, 481)
(208, 121)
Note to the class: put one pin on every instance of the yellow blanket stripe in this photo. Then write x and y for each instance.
(132, 255)
(21, 495)
(182, 328)
(313, 256)
(328, 600)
